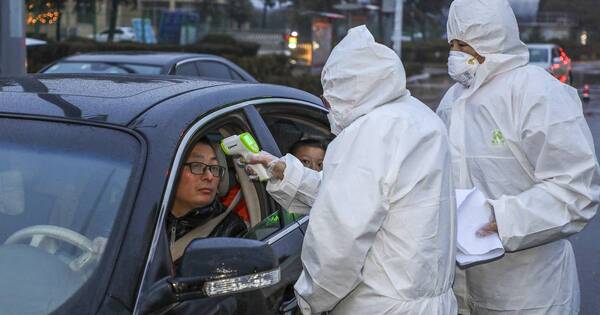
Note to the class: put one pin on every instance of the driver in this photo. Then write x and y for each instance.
(196, 210)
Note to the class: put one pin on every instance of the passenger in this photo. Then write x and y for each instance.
(518, 135)
(310, 152)
(196, 208)
(381, 237)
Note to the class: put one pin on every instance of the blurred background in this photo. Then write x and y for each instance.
(287, 41)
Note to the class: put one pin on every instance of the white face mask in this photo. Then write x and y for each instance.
(462, 67)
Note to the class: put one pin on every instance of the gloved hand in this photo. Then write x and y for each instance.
(274, 165)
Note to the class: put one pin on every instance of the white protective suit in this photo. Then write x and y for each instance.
(381, 237)
(519, 135)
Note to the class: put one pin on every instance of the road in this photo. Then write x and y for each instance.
(586, 243)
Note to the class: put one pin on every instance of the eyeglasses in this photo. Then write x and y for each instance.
(199, 168)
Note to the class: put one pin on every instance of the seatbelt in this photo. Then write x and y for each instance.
(202, 231)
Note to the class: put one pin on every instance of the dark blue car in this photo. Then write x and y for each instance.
(151, 63)
(87, 176)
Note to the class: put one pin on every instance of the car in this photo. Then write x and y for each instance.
(122, 33)
(139, 62)
(87, 177)
(34, 42)
(552, 58)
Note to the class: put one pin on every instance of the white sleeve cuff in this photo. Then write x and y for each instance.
(284, 191)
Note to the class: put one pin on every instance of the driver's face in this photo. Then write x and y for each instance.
(194, 191)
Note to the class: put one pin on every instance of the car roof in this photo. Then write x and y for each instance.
(138, 57)
(116, 99)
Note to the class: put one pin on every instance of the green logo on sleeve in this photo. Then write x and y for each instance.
(497, 137)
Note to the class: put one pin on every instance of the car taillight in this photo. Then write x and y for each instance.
(563, 57)
(563, 78)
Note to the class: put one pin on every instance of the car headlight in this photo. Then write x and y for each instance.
(243, 283)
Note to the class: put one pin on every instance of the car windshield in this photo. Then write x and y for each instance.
(538, 55)
(102, 67)
(62, 187)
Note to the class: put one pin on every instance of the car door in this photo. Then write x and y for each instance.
(283, 230)
(280, 230)
(287, 124)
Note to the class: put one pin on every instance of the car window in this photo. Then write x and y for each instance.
(238, 205)
(187, 68)
(99, 67)
(235, 75)
(555, 53)
(289, 123)
(142, 69)
(213, 69)
(62, 188)
(86, 67)
(538, 55)
(272, 224)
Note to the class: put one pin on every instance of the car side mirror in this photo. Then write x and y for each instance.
(214, 267)
(556, 60)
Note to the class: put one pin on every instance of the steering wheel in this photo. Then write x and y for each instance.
(37, 233)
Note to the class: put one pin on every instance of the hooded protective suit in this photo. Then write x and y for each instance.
(381, 237)
(519, 135)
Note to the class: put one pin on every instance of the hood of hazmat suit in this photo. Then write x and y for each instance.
(519, 136)
(381, 237)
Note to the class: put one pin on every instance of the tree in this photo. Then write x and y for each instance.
(421, 13)
(266, 4)
(45, 12)
(113, 12)
(270, 4)
(586, 11)
(240, 11)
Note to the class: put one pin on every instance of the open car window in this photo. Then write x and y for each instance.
(290, 123)
(243, 203)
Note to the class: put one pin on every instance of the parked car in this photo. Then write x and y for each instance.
(122, 33)
(88, 172)
(136, 62)
(34, 42)
(552, 58)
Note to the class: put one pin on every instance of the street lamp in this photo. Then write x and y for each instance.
(583, 38)
(12, 37)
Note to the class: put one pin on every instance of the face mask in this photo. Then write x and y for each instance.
(462, 67)
(334, 125)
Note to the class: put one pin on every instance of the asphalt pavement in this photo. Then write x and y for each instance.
(586, 243)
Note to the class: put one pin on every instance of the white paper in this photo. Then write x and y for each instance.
(464, 259)
(472, 215)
